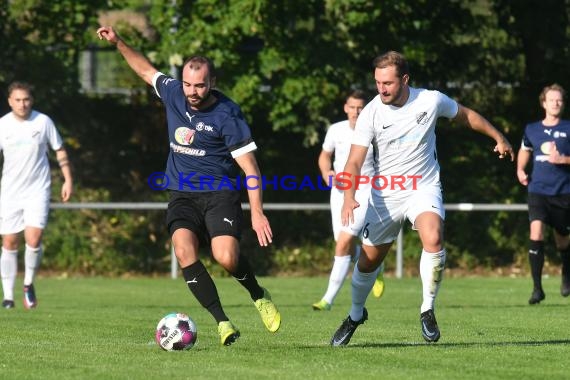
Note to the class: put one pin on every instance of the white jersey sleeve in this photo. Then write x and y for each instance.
(328, 143)
(364, 130)
(52, 135)
(446, 106)
(339, 140)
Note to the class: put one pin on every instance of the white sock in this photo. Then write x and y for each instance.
(362, 283)
(431, 272)
(338, 274)
(8, 271)
(32, 263)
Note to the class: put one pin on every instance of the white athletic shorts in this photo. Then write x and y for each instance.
(337, 199)
(386, 215)
(21, 213)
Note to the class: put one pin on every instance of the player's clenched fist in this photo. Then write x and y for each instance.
(107, 32)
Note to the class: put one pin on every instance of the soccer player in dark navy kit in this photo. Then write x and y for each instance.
(207, 133)
(547, 143)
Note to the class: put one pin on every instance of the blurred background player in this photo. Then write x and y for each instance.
(547, 143)
(337, 142)
(25, 135)
(400, 122)
(208, 135)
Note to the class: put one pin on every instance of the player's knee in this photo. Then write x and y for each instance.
(228, 260)
(185, 255)
(432, 243)
(10, 243)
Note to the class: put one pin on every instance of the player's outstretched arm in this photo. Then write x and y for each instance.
(475, 121)
(138, 62)
(259, 221)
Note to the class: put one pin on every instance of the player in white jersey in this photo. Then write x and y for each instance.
(25, 188)
(337, 142)
(400, 122)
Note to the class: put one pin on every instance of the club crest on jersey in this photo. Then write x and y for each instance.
(184, 135)
(422, 118)
(203, 127)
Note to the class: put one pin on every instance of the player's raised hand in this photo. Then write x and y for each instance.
(107, 33)
(347, 212)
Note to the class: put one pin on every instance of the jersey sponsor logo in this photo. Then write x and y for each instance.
(165, 81)
(189, 116)
(548, 131)
(546, 147)
(558, 134)
(189, 151)
(203, 127)
(184, 135)
(387, 126)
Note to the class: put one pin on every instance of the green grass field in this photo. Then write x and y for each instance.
(95, 328)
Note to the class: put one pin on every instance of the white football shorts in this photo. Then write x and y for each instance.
(336, 201)
(386, 216)
(31, 212)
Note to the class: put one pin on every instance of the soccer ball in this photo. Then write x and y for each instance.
(175, 332)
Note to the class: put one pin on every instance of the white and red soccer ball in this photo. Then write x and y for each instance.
(176, 332)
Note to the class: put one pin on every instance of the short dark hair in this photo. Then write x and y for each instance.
(196, 61)
(552, 87)
(356, 94)
(392, 58)
(17, 85)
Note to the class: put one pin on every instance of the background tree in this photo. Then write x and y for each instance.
(288, 64)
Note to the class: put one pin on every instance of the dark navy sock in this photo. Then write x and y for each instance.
(202, 286)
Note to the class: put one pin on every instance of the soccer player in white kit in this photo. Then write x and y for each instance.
(25, 187)
(337, 142)
(400, 121)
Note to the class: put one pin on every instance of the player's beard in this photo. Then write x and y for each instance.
(197, 103)
(393, 99)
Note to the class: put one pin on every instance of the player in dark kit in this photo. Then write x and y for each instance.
(207, 133)
(547, 143)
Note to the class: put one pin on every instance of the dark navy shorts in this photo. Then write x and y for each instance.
(553, 210)
(207, 214)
